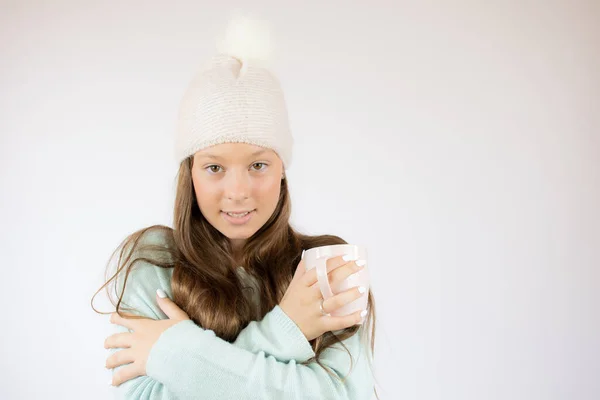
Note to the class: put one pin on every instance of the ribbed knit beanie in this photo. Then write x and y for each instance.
(235, 98)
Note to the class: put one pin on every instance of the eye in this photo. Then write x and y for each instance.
(259, 163)
(211, 169)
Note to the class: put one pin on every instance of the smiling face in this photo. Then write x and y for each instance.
(237, 186)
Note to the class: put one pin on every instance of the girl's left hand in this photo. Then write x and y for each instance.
(137, 344)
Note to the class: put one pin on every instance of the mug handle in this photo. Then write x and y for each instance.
(321, 265)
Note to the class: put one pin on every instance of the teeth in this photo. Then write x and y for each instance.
(238, 215)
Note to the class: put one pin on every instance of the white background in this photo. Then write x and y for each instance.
(459, 141)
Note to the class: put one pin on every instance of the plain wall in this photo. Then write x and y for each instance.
(459, 141)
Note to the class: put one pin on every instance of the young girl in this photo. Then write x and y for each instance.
(221, 305)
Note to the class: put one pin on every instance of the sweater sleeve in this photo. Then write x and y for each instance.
(263, 362)
(194, 363)
(276, 335)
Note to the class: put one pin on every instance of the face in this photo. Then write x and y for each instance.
(237, 186)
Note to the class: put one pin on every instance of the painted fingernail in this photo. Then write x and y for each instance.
(161, 293)
(348, 257)
(361, 263)
(363, 313)
(361, 289)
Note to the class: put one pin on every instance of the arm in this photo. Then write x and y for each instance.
(276, 335)
(186, 352)
(191, 361)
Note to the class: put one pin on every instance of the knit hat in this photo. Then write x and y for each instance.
(235, 98)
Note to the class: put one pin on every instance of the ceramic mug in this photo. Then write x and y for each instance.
(317, 258)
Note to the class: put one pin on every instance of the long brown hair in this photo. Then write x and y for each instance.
(204, 284)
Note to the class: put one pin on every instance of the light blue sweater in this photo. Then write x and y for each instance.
(189, 362)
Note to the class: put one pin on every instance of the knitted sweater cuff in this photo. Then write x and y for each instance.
(293, 336)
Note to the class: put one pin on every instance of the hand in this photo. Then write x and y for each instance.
(137, 344)
(301, 302)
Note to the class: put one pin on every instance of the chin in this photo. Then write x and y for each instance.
(232, 234)
(237, 236)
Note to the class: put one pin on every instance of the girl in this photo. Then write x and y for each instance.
(221, 305)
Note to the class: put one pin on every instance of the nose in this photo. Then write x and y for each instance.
(237, 186)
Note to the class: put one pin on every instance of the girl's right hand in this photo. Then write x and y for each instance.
(301, 302)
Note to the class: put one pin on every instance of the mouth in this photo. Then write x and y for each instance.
(238, 218)
(237, 213)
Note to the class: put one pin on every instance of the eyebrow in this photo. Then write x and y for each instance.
(216, 157)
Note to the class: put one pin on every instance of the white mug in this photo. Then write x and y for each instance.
(317, 258)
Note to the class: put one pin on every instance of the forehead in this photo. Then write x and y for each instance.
(232, 151)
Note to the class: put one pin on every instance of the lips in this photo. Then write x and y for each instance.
(237, 220)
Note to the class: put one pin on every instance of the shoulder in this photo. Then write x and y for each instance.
(153, 239)
(146, 270)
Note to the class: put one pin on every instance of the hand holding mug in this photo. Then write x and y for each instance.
(305, 304)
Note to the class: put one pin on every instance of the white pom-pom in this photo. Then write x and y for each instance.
(247, 38)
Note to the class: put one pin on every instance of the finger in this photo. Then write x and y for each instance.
(125, 374)
(300, 271)
(333, 263)
(120, 357)
(342, 299)
(343, 272)
(310, 277)
(315, 292)
(118, 340)
(129, 321)
(169, 307)
(338, 323)
(301, 268)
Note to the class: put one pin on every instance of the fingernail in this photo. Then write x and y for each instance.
(348, 257)
(302, 256)
(161, 293)
(363, 313)
(110, 383)
(361, 263)
(361, 289)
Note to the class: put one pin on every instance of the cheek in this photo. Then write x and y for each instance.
(207, 199)
(205, 194)
(268, 191)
